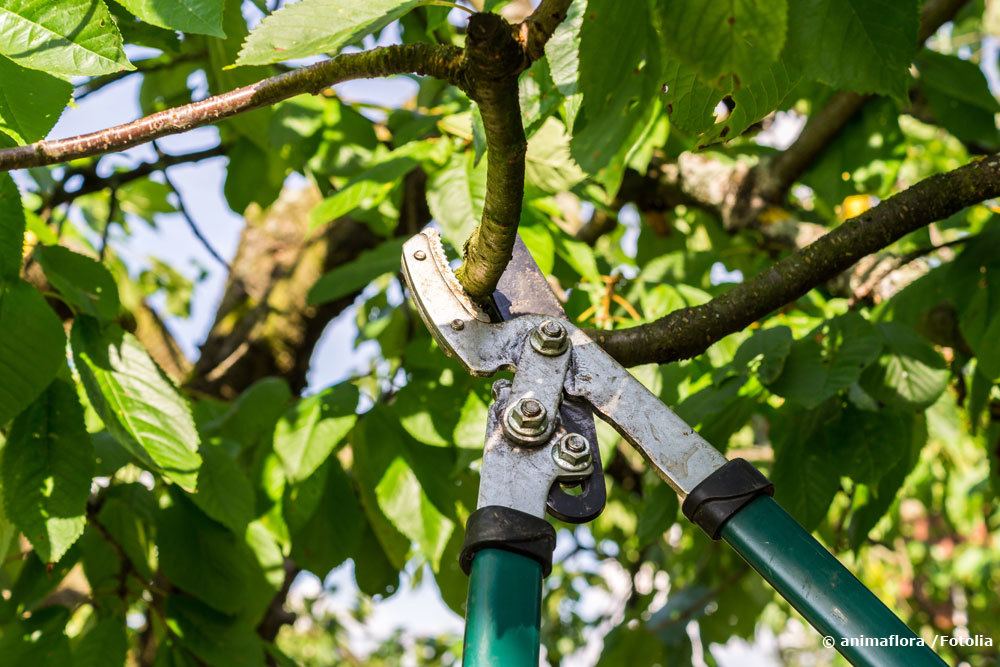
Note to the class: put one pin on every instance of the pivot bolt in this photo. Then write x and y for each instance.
(527, 418)
(457, 324)
(572, 452)
(550, 338)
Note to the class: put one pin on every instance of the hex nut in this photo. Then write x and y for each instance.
(549, 338)
(527, 417)
(573, 452)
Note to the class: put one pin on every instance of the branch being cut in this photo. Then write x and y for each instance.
(442, 62)
(690, 331)
(496, 53)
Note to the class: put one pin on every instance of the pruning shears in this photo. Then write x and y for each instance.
(541, 439)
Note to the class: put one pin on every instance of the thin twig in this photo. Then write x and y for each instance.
(182, 209)
(112, 212)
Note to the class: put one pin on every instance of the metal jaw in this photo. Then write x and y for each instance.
(674, 449)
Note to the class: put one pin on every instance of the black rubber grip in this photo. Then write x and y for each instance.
(495, 527)
(724, 493)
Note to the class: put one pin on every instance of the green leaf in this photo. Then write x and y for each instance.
(771, 89)
(353, 276)
(311, 27)
(253, 414)
(66, 38)
(548, 164)
(960, 97)
(208, 561)
(874, 42)
(11, 231)
(375, 445)
(32, 347)
(253, 176)
(332, 533)
(203, 17)
(882, 495)
(402, 499)
(47, 466)
(30, 101)
(765, 352)
(224, 492)
(910, 374)
(455, 196)
(617, 83)
(562, 51)
(366, 191)
(140, 406)
(145, 198)
(308, 433)
(726, 37)
(690, 102)
(806, 471)
(83, 282)
(830, 358)
(104, 645)
(215, 638)
(127, 514)
(659, 510)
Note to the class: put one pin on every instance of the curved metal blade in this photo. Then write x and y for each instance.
(524, 290)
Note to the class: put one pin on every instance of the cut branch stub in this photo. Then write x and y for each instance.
(493, 60)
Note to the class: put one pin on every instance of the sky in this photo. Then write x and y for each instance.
(419, 610)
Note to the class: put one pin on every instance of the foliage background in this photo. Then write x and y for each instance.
(159, 514)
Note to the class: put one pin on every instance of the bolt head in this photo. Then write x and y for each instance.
(457, 325)
(574, 450)
(550, 338)
(528, 416)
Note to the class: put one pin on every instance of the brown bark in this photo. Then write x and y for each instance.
(690, 331)
(263, 325)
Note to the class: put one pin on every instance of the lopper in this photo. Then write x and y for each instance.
(540, 439)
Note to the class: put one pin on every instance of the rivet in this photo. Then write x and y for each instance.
(420, 255)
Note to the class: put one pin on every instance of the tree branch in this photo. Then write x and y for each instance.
(92, 182)
(442, 62)
(690, 331)
(496, 53)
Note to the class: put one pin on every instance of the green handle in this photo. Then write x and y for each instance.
(821, 589)
(504, 610)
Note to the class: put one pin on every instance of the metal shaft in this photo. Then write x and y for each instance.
(830, 598)
(504, 610)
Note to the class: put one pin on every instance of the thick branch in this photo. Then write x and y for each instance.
(496, 53)
(690, 331)
(494, 60)
(439, 61)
